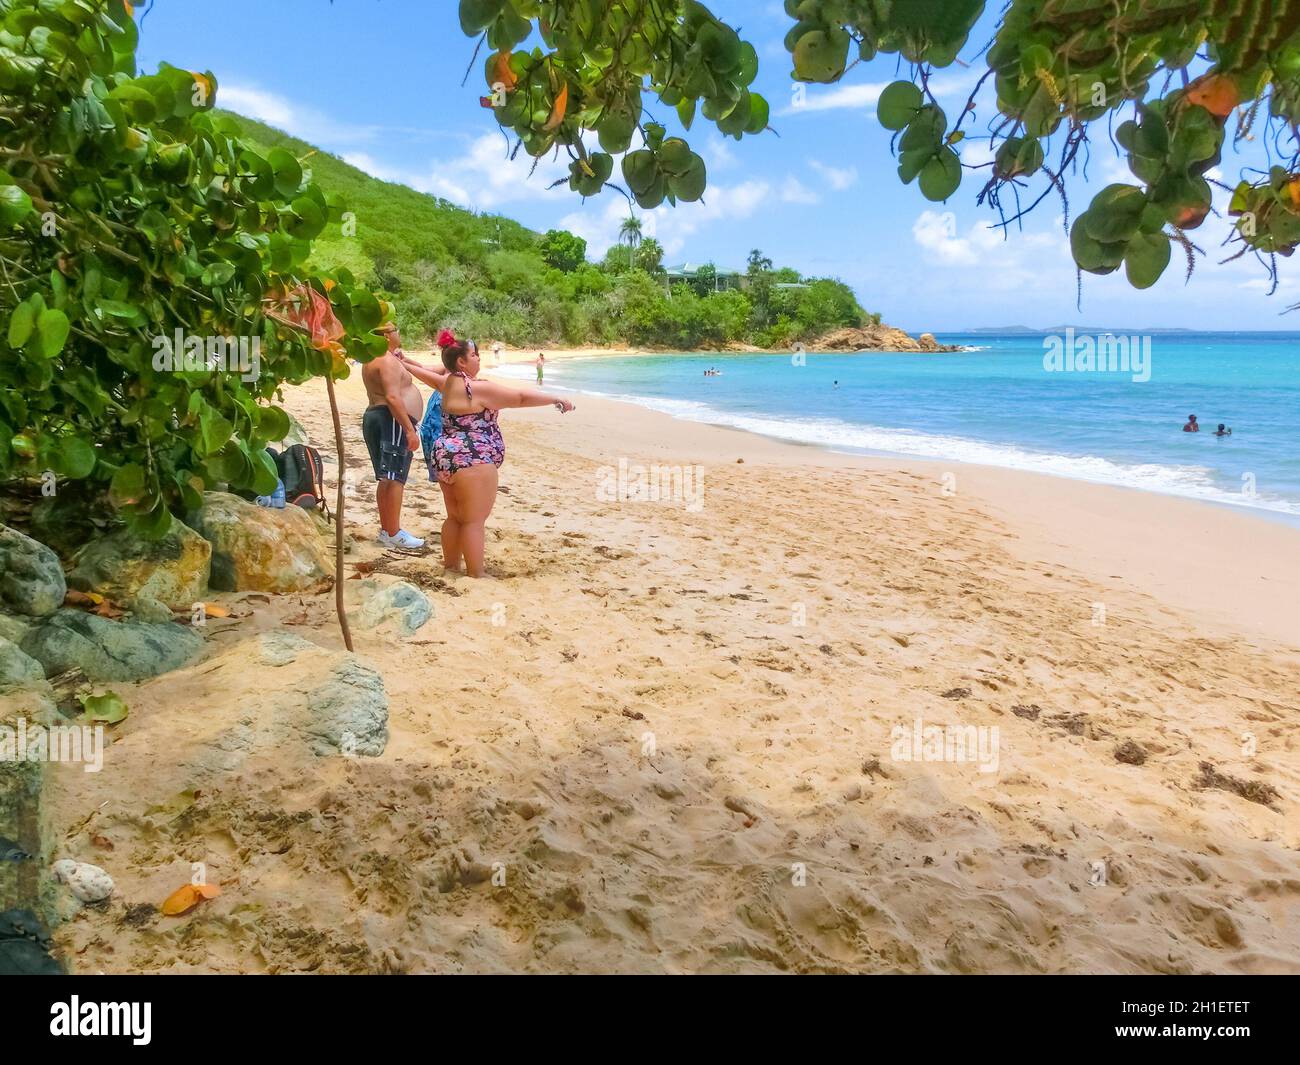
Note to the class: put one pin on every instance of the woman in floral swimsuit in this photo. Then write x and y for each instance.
(470, 449)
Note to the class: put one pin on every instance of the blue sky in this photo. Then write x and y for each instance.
(378, 82)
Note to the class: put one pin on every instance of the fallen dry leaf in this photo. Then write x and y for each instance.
(185, 898)
(83, 599)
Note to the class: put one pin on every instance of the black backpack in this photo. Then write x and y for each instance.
(300, 470)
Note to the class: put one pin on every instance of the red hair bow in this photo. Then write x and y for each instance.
(446, 338)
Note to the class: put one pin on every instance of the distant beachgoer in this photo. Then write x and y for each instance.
(541, 365)
(837, 384)
(1221, 431)
(1192, 425)
(471, 448)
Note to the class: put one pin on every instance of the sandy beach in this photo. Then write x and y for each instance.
(693, 734)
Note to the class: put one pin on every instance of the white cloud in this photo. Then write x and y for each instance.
(1115, 171)
(795, 191)
(977, 151)
(484, 176)
(955, 85)
(372, 166)
(959, 82)
(838, 178)
(481, 177)
(808, 98)
(717, 153)
(1264, 284)
(987, 257)
(671, 226)
(303, 122)
(937, 233)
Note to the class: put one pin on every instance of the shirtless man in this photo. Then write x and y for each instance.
(389, 430)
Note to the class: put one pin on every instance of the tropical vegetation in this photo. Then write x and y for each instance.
(142, 242)
(490, 278)
(1169, 79)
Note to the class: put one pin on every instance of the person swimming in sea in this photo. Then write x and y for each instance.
(1221, 431)
(1192, 425)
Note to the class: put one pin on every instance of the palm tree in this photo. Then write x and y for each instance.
(630, 233)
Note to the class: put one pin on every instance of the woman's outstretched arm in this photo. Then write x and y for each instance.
(501, 396)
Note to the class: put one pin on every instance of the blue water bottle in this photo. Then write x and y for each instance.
(277, 500)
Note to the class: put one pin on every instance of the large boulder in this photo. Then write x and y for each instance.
(31, 579)
(123, 566)
(261, 549)
(110, 650)
(17, 668)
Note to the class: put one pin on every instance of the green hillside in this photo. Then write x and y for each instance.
(488, 277)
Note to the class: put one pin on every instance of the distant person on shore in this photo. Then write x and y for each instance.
(496, 353)
(471, 448)
(388, 427)
(541, 366)
(1192, 425)
(837, 384)
(1221, 431)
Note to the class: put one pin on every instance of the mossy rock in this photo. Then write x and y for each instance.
(123, 566)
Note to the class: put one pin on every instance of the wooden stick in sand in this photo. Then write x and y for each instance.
(305, 309)
(338, 518)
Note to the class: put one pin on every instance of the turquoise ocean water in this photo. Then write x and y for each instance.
(999, 405)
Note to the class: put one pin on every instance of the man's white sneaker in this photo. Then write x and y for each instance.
(402, 540)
